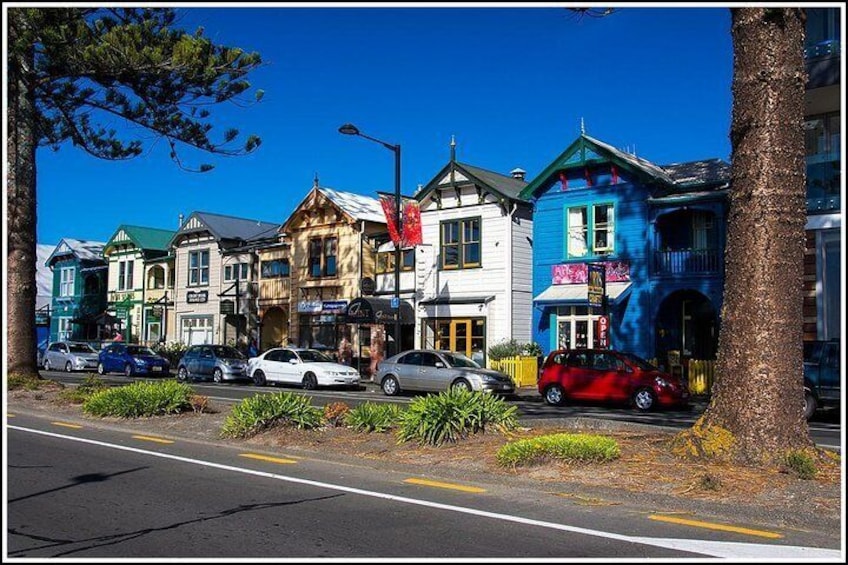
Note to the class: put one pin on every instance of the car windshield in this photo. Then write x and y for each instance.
(81, 348)
(138, 350)
(227, 352)
(640, 363)
(313, 356)
(460, 360)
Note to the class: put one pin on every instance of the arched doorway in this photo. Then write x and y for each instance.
(686, 322)
(274, 328)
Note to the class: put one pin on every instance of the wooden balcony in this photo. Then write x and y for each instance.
(272, 289)
(687, 262)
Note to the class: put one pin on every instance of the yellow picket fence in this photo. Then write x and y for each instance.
(523, 370)
(701, 375)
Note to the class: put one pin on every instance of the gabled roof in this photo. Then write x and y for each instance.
(503, 185)
(357, 207)
(83, 250)
(226, 227)
(145, 239)
(677, 177)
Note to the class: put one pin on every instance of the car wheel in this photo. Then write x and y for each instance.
(101, 370)
(128, 370)
(554, 395)
(217, 375)
(390, 386)
(462, 384)
(182, 374)
(69, 368)
(259, 378)
(810, 404)
(644, 399)
(309, 382)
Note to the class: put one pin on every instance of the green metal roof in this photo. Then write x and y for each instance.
(146, 239)
(502, 185)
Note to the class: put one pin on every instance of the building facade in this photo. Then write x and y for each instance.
(78, 310)
(654, 236)
(472, 275)
(823, 98)
(215, 288)
(331, 236)
(138, 277)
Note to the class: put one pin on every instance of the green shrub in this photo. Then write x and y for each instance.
(506, 348)
(262, 411)
(140, 399)
(454, 414)
(569, 447)
(173, 352)
(371, 417)
(79, 394)
(801, 463)
(532, 349)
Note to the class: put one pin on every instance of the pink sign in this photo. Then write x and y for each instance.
(577, 273)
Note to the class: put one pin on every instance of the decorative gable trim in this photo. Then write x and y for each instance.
(193, 224)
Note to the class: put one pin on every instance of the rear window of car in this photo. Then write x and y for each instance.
(226, 352)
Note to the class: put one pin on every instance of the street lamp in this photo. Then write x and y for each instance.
(350, 129)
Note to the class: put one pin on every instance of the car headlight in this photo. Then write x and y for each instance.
(79, 361)
(140, 361)
(661, 382)
(489, 379)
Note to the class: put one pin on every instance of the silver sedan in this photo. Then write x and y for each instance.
(69, 356)
(436, 371)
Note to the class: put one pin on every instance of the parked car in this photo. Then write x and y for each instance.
(307, 367)
(217, 362)
(435, 371)
(70, 356)
(821, 375)
(601, 375)
(131, 360)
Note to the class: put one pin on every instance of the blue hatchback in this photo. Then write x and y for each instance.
(131, 360)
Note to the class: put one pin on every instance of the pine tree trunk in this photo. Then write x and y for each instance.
(20, 214)
(758, 395)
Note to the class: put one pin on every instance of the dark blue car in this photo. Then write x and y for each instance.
(131, 360)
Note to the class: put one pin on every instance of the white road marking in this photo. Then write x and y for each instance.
(704, 547)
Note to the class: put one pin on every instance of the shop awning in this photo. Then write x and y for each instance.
(370, 310)
(579, 293)
(458, 300)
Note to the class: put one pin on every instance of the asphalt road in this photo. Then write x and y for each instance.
(91, 492)
(825, 427)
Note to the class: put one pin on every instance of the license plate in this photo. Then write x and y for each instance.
(157, 368)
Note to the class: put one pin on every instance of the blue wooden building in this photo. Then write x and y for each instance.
(657, 234)
(78, 310)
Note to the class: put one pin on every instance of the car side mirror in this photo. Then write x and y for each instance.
(293, 361)
(440, 365)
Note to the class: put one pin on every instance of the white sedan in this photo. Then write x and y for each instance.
(306, 367)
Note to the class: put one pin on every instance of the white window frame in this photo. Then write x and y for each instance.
(571, 316)
(190, 325)
(577, 234)
(240, 271)
(63, 332)
(201, 270)
(607, 227)
(66, 281)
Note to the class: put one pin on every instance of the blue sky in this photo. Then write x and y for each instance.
(511, 84)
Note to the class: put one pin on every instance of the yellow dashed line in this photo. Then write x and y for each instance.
(10, 415)
(155, 439)
(712, 526)
(266, 458)
(64, 425)
(437, 484)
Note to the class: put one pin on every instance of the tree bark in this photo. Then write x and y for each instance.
(758, 395)
(20, 211)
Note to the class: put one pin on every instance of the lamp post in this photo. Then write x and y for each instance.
(350, 129)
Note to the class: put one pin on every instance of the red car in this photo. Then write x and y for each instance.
(601, 375)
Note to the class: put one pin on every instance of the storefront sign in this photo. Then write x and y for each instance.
(227, 307)
(310, 306)
(197, 296)
(603, 332)
(597, 285)
(334, 306)
(578, 273)
(367, 286)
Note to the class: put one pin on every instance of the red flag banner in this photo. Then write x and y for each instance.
(411, 226)
(388, 204)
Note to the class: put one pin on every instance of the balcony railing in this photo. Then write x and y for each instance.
(274, 288)
(686, 262)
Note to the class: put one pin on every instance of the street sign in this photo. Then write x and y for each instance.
(603, 332)
(597, 285)
(228, 307)
(367, 286)
(395, 302)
